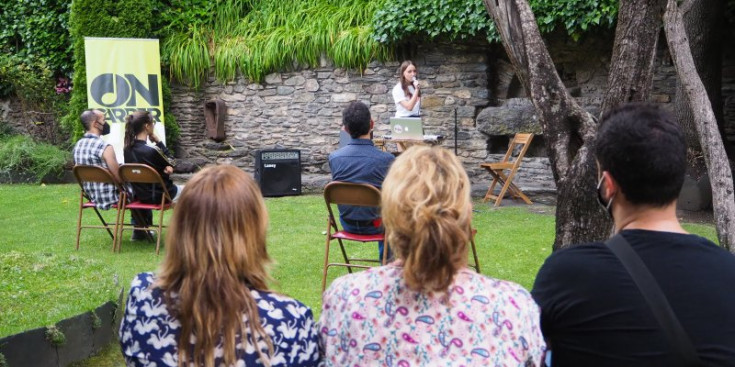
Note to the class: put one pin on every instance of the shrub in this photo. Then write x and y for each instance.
(21, 154)
(32, 84)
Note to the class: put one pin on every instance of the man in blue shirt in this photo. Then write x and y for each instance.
(360, 162)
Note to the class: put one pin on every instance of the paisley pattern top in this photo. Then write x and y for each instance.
(371, 318)
(149, 334)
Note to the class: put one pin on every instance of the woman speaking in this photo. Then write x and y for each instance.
(406, 94)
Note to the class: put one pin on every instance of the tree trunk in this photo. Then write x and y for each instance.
(631, 66)
(569, 130)
(723, 196)
(703, 23)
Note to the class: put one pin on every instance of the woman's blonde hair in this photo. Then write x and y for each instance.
(215, 252)
(427, 214)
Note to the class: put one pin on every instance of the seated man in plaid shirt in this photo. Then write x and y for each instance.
(92, 150)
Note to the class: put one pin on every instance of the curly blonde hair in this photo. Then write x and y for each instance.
(427, 214)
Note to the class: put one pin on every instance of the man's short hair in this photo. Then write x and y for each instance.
(88, 117)
(643, 148)
(356, 118)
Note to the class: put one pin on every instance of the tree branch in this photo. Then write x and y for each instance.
(723, 197)
(567, 127)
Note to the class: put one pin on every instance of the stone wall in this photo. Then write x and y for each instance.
(302, 109)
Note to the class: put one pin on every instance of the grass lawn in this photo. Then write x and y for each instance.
(43, 279)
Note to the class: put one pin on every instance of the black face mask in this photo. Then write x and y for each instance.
(601, 200)
(105, 129)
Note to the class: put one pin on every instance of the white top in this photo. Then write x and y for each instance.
(400, 95)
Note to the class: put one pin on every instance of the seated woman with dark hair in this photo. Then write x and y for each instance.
(428, 308)
(139, 128)
(209, 305)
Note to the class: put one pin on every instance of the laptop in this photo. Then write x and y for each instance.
(406, 128)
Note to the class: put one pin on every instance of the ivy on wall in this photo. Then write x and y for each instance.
(34, 49)
(36, 32)
(400, 20)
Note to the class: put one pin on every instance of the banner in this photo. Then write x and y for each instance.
(124, 75)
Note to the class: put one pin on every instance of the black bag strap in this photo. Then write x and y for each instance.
(656, 300)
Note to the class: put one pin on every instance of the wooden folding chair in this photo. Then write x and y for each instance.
(135, 173)
(96, 174)
(497, 170)
(345, 193)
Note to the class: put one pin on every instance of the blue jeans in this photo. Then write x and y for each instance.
(366, 228)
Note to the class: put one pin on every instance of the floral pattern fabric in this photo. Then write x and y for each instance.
(372, 319)
(149, 334)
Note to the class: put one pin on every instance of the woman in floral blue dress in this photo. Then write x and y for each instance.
(209, 305)
(427, 308)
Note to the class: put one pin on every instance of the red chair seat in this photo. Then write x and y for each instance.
(140, 205)
(358, 237)
(92, 204)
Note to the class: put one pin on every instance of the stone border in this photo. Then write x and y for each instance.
(84, 335)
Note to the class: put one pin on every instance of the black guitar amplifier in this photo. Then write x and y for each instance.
(278, 172)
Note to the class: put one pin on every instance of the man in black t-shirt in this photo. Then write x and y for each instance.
(592, 313)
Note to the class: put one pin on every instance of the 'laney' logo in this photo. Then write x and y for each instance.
(119, 93)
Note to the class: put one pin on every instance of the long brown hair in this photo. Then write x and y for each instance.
(134, 124)
(427, 213)
(215, 252)
(406, 83)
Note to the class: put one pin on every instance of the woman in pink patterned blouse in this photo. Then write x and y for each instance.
(427, 308)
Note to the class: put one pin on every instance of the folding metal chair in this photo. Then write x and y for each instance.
(135, 173)
(345, 193)
(96, 174)
(511, 163)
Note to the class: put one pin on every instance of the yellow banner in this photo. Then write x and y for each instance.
(124, 75)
